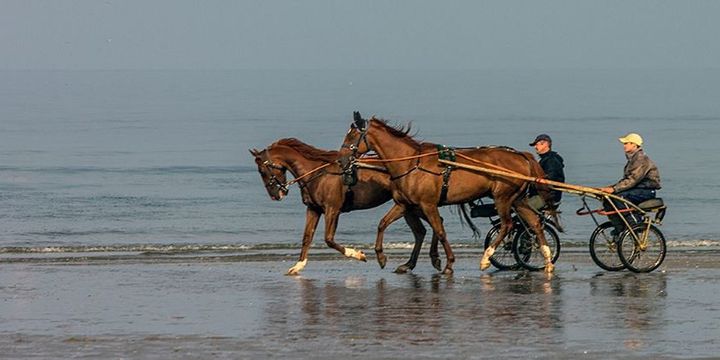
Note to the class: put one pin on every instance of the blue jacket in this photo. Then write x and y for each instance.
(553, 165)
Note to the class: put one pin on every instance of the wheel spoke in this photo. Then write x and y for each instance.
(603, 248)
(646, 257)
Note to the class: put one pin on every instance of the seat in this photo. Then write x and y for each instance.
(651, 204)
(484, 210)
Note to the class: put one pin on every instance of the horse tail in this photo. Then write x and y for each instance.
(537, 172)
(465, 220)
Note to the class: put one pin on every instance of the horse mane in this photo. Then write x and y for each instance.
(399, 131)
(308, 151)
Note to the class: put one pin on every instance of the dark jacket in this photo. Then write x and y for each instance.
(553, 165)
(640, 172)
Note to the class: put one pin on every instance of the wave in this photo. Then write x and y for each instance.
(169, 248)
(240, 248)
(187, 169)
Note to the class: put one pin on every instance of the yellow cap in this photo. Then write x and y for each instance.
(632, 138)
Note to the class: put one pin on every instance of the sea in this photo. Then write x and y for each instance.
(158, 160)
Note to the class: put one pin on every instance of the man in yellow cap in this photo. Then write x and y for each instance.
(641, 178)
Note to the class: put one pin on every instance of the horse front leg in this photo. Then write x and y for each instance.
(532, 220)
(419, 232)
(434, 254)
(436, 222)
(331, 221)
(395, 212)
(312, 218)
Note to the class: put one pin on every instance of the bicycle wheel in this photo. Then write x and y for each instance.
(603, 248)
(646, 253)
(503, 258)
(526, 249)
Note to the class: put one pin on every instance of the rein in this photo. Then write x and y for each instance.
(307, 174)
(416, 167)
(497, 167)
(398, 159)
(315, 170)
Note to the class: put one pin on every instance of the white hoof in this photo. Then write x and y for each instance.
(355, 254)
(547, 254)
(295, 270)
(549, 268)
(485, 261)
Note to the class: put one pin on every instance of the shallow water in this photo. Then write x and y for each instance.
(118, 158)
(236, 308)
(134, 221)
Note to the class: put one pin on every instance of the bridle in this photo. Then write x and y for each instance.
(274, 181)
(349, 164)
(362, 138)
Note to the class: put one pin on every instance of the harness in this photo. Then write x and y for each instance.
(352, 162)
(304, 180)
(443, 152)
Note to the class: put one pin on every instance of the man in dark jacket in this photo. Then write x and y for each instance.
(550, 161)
(641, 178)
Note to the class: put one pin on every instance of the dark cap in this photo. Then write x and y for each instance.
(545, 137)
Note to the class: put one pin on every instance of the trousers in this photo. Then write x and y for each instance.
(633, 195)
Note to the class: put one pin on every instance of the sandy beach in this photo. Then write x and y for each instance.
(240, 305)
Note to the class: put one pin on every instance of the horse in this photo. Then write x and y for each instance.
(323, 191)
(423, 183)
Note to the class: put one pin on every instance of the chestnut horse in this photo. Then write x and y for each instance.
(324, 192)
(423, 183)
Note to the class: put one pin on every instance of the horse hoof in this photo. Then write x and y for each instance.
(402, 269)
(382, 260)
(437, 264)
(549, 268)
(484, 264)
(292, 272)
(361, 256)
(448, 271)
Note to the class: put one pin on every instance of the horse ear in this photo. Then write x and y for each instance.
(360, 123)
(254, 152)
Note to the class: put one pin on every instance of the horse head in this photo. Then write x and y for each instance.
(355, 142)
(272, 174)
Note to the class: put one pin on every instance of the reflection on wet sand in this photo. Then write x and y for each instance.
(637, 301)
(434, 310)
(247, 310)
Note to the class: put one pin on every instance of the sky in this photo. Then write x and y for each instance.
(368, 34)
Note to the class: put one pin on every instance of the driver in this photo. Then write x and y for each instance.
(640, 182)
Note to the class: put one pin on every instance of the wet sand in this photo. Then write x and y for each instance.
(232, 306)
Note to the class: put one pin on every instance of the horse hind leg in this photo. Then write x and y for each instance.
(419, 232)
(433, 216)
(531, 219)
(505, 227)
(434, 254)
(490, 251)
